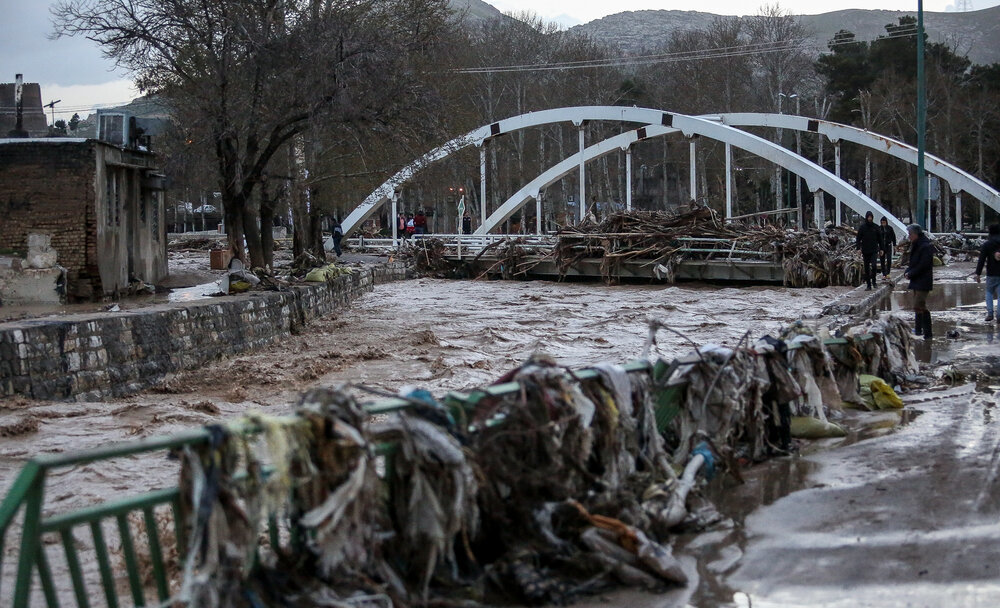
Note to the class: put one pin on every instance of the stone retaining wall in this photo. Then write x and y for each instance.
(100, 355)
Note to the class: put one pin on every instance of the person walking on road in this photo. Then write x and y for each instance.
(989, 256)
(920, 272)
(887, 242)
(868, 242)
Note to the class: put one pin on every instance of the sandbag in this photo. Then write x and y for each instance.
(877, 394)
(805, 427)
(324, 273)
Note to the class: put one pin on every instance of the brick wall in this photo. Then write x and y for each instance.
(90, 357)
(48, 187)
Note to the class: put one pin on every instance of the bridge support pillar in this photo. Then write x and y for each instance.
(628, 178)
(482, 184)
(538, 213)
(693, 147)
(583, 176)
(819, 208)
(729, 181)
(836, 161)
(958, 211)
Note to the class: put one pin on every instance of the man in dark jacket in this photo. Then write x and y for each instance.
(989, 256)
(920, 272)
(886, 243)
(868, 242)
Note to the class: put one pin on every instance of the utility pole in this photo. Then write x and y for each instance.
(798, 152)
(921, 218)
(52, 107)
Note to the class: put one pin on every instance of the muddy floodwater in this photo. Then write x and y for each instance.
(442, 335)
(907, 519)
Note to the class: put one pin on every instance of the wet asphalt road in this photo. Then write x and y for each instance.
(904, 512)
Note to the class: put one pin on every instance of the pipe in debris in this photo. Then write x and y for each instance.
(677, 509)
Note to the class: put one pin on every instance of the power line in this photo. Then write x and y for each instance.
(81, 108)
(679, 56)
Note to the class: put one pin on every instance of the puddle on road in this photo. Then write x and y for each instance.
(955, 306)
(719, 550)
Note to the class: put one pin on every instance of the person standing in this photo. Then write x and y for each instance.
(989, 256)
(868, 242)
(401, 226)
(420, 222)
(337, 233)
(887, 242)
(920, 272)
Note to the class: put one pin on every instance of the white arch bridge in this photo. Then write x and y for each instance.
(725, 128)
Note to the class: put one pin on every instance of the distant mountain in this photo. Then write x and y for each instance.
(565, 21)
(475, 9)
(975, 33)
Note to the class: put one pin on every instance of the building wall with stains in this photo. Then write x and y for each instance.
(89, 196)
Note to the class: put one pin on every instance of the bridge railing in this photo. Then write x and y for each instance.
(471, 244)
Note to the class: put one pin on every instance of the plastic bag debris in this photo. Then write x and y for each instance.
(878, 395)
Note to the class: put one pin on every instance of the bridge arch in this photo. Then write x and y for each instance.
(722, 125)
(576, 115)
(817, 178)
(959, 180)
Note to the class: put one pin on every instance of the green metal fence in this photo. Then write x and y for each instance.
(27, 498)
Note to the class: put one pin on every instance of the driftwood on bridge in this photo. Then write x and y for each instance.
(810, 258)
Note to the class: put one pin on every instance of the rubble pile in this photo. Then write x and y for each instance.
(810, 258)
(549, 485)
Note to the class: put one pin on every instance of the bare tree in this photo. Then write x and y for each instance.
(253, 73)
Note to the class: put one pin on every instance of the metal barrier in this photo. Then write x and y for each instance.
(27, 495)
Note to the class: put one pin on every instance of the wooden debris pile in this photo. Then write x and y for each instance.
(810, 258)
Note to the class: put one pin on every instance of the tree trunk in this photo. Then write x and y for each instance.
(315, 237)
(251, 231)
(233, 214)
(268, 203)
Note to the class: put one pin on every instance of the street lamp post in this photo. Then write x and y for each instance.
(921, 121)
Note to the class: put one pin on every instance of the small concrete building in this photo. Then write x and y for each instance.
(100, 205)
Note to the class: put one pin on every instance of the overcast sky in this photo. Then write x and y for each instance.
(74, 71)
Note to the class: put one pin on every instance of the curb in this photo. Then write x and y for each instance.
(860, 303)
